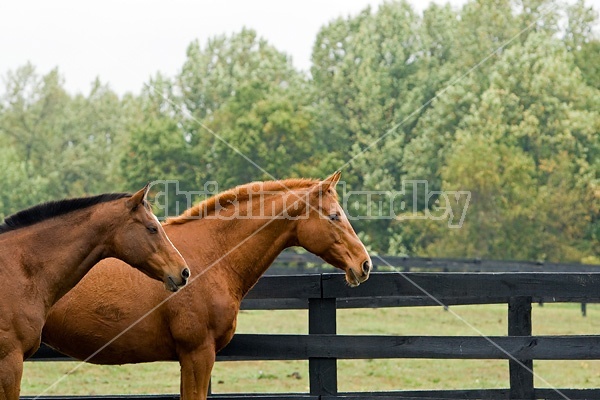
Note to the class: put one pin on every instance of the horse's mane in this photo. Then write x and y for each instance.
(238, 194)
(52, 209)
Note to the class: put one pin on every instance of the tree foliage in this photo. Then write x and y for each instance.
(499, 98)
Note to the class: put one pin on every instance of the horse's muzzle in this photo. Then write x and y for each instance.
(173, 286)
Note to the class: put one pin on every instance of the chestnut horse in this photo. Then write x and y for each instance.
(47, 249)
(242, 231)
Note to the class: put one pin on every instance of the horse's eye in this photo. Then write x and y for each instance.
(334, 217)
(152, 229)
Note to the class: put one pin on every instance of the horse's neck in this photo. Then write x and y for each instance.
(242, 250)
(59, 252)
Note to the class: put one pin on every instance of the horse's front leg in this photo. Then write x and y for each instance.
(11, 370)
(196, 367)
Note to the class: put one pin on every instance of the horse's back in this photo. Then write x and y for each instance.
(113, 308)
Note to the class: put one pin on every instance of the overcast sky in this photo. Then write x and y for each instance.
(124, 42)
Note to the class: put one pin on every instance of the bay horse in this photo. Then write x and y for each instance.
(242, 231)
(45, 250)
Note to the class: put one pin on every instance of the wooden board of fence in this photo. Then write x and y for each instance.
(323, 294)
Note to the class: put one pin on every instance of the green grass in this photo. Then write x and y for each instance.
(353, 375)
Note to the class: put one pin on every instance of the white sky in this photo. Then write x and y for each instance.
(124, 42)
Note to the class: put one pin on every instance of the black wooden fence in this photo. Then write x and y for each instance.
(289, 263)
(323, 294)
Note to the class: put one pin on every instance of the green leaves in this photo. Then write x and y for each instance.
(72, 143)
(527, 156)
(499, 98)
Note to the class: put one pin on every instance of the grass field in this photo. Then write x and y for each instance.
(353, 375)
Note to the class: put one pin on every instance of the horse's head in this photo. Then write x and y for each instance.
(326, 232)
(141, 242)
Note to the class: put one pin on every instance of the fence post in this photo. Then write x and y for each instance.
(521, 372)
(322, 371)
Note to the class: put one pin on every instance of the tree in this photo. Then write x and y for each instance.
(34, 121)
(19, 191)
(95, 137)
(528, 153)
(246, 110)
(69, 145)
(158, 150)
(271, 128)
(375, 71)
(212, 74)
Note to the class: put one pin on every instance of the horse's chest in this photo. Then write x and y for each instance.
(213, 321)
(224, 324)
(22, 326)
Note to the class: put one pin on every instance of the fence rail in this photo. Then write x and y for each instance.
(323, 294)
(289, 263)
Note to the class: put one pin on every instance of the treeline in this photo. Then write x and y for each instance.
(392, 96)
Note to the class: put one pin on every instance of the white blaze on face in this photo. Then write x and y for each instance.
(166, 236)
(361, 244)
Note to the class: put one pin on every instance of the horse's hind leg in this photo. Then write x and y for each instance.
(11, 370)
(196, 367)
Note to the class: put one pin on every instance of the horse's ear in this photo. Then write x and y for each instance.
(138, 197)
(331, 181)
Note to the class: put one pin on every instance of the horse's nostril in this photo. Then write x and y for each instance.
(366, 267)
(185, 273)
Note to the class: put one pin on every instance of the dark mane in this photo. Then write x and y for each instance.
(52, 209)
